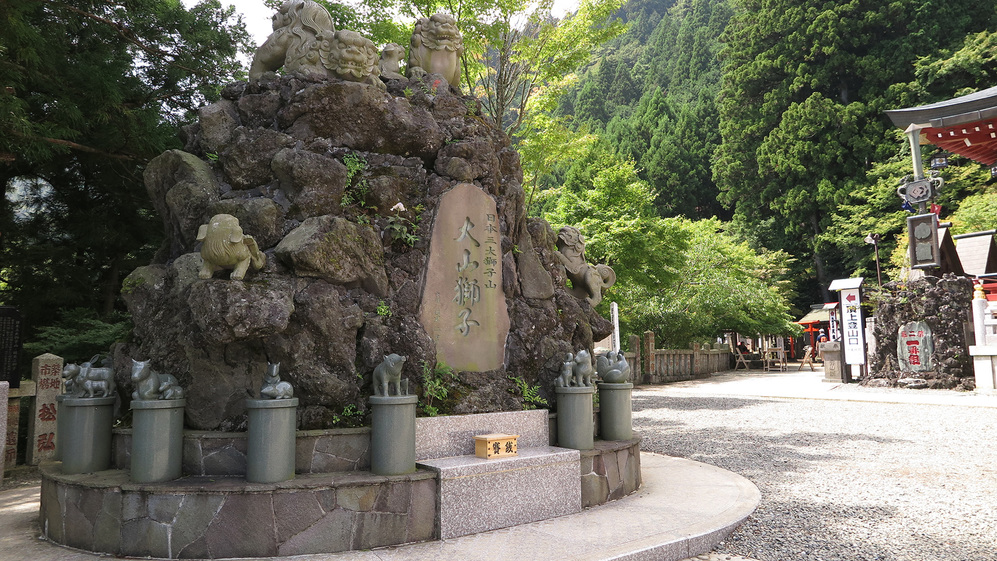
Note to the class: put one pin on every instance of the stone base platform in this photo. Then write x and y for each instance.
(683, 509)
(477, 495)
(201, 517)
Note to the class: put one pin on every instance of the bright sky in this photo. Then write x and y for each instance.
(257, 15)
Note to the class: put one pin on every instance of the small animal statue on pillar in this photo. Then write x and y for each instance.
(225, 246)
(151, 385)
(613, 367)
(273, 387)
(587, 281)
(389, 373)
(85, 380)
(435, 48)
(576, 370)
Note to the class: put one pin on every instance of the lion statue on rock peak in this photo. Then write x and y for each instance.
(436, 48)
(294, 43)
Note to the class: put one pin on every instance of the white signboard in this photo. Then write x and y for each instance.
(852, 338)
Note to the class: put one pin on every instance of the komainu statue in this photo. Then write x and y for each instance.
(587, 280)
(350, 56)
(226, 247)
(298, 29)
(435, 48)
(391, 61)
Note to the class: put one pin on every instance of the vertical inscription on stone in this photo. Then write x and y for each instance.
(10, 345)
(10, 442)
(46, 371)
(463, 307)
(3, 419)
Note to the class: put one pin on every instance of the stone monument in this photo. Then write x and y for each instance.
(311, 165)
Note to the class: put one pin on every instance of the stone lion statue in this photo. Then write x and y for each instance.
(295, 41)
(226, 247)
(587, 281)
(391, 59)
(435, 48)
(350, 56)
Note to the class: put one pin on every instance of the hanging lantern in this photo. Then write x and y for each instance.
(940, 160)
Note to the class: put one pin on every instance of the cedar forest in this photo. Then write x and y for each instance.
(725, 157)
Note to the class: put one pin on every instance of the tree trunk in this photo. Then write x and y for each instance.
(822, 280)
(110, 289)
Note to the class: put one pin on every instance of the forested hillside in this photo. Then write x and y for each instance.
(770, 113)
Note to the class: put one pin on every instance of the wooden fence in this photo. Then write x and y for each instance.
(657, 366)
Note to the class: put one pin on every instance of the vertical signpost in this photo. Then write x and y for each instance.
(852, 332)
(46, 371)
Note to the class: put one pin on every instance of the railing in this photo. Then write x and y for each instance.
(658, 366)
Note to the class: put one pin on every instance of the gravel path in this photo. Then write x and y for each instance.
(841, 480)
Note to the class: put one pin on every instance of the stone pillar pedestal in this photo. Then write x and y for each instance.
(157, 440)
(392, 434)
(86, 442)
(615, 411)
(271, 434)
(835, 370)
(574, 418)
(60, 424)
(985, 368)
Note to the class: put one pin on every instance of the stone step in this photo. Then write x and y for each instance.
(477, 495)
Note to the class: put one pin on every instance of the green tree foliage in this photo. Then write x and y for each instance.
(78, 334)
(726, 286)
(652, 93)
(686, 281)
(91, 91)
(975, 214)
(801, 108)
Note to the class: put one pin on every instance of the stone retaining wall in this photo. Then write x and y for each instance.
(198, 517)
(224, 453)
(610, 471)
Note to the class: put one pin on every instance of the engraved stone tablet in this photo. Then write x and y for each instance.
(914, 347)
(463, 307)
(10, 345)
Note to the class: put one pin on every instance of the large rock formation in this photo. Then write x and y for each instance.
(314, 170)
(944, 305)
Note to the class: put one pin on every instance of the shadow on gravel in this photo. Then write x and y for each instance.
(641, 403)
(804, 531)
(745, 451)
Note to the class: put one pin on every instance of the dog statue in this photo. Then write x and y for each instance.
(389, 373)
